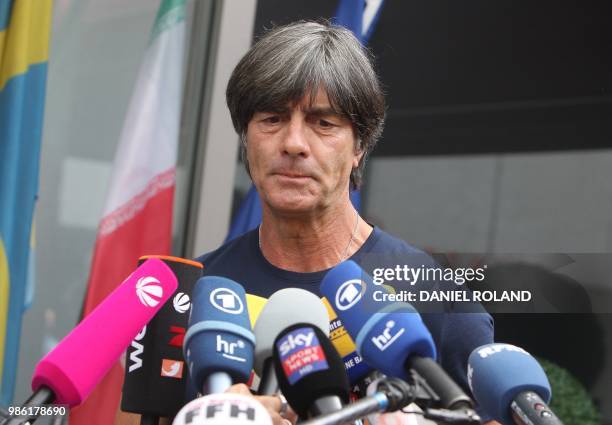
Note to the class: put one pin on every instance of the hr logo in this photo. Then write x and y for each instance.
(226, 300)
(349, 293)
(386, 338)
(228, 349)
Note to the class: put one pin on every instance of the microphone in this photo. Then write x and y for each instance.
(103, 335)
(223, 409)
(70, 372)
(310, 372)
(219, 343)
(356, 369)
(510, 385)
(283, 309)
(390, 336)
(155, 376)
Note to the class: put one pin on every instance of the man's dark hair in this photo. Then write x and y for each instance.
(295, 60)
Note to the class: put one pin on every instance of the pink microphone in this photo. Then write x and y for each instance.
(80, 361)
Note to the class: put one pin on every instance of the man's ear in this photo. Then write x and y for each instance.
(358, 155)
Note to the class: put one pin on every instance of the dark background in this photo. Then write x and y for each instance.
(466, 78)
(530, 75)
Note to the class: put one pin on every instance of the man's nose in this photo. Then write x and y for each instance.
(295, 141)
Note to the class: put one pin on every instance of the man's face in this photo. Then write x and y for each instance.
(301, 157)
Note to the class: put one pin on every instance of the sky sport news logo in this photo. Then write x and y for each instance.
(301, 354)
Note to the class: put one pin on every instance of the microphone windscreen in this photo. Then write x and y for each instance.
(497, 373)
(350, 291)
(80, 361)
(255, 305)
(308, 367)
(283, 309)
(391, 336)
(223, 409)
(385, 332)
(155, 370)
(219, 337)
(356, 368)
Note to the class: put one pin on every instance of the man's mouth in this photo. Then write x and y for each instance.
(292, 175)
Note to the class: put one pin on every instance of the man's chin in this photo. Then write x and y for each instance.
(294, 205)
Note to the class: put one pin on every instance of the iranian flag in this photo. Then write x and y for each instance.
(137, 217)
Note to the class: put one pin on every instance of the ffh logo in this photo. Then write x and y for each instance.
(349, 293)
(223, 410)
(179, 336)
(226, 300)
(386, 338)
(148, 293)
(235, 411)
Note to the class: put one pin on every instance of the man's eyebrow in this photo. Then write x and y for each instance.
(274, 110)
(322, 111)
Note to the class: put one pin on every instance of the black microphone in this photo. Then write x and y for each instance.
(309, 370)
(283, 309)
(155, 372)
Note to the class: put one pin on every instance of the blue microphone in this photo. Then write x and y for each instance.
(219, 342)
(510, 385)
(390, 336)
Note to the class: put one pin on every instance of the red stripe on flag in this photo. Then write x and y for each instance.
(147, 231)
(143, 226)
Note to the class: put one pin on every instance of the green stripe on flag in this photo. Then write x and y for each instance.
(169, 14)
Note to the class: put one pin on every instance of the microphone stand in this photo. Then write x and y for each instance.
(393, 394)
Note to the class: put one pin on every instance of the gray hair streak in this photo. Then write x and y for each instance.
(295, 60)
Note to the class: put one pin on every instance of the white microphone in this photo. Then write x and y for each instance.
(223, 409)
(283, 309)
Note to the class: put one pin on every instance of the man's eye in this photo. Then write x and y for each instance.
(325, 124)
(274, 119)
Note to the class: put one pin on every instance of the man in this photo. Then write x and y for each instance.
(309, 109)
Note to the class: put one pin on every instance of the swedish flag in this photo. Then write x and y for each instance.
(24, 50)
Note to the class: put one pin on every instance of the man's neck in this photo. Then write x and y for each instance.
(313, 244)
